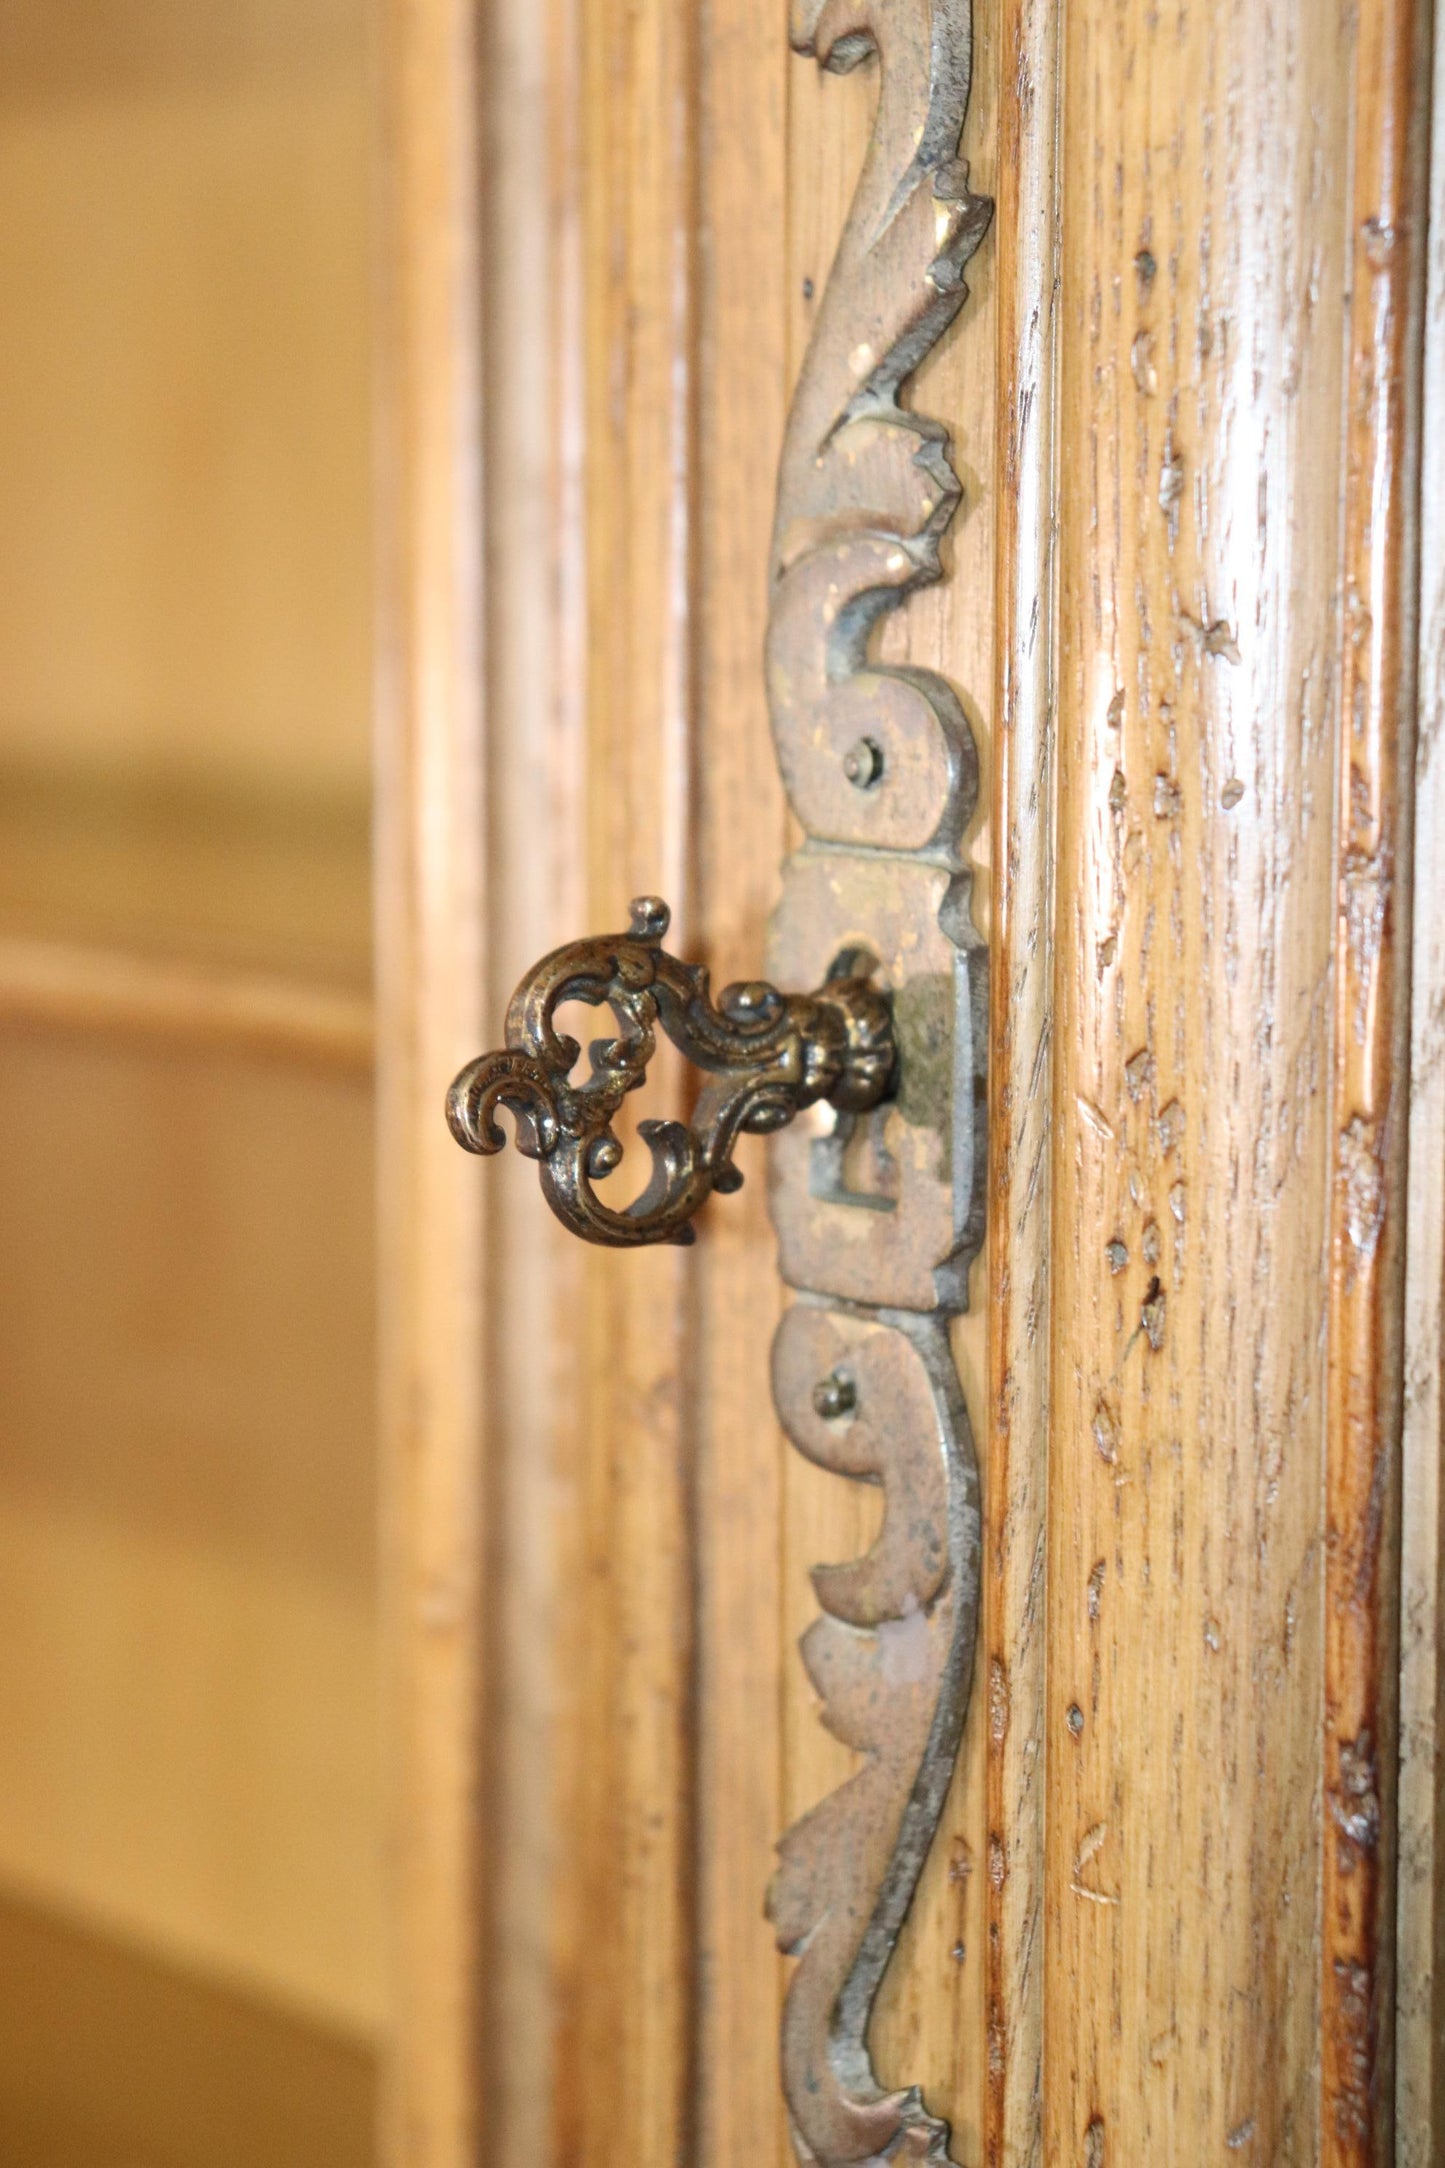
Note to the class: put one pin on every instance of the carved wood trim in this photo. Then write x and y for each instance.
(882, 771)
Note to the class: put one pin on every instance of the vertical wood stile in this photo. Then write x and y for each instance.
(626, 1657)
(1220, 1566)
(741, 836)
(535, 641)
(1021, 1000)
(1369, 1109)
(1420, 2043)
(431, 997)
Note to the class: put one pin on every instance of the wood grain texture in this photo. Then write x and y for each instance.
(431, 995)
(1420, 1912)
(637, 1631)
(1184, 1332)
(744, 308)
(1369, 1096)
(1210, 1330)
(626, 1655)
(631, 1456)
(1020, 1073)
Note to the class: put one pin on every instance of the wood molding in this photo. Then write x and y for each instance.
(1183, 1346)
(1235, 625)
(431, 994)
(1369, 1111)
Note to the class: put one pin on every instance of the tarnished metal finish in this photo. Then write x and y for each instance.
(877, 1400)
(878, 1197)
(874, 755)
(886, 1207)
(768, 1055)
(880, 1211)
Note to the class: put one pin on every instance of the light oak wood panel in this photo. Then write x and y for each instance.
(1212, 1644)
(55, 53)
(214, 915)
(634, 1809)
(186, 389)
(1198, 540)
(276, 879)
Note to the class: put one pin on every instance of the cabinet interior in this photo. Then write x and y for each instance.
(190, 1908)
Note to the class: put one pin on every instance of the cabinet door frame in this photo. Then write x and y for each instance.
(585, 393)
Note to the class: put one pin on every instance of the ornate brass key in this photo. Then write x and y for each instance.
(768, 1055)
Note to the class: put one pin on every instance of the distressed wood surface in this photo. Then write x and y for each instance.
(1140, 1971)
(1218, 1626)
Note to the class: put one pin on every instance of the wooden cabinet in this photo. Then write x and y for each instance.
(637, 449)
(1179, 611)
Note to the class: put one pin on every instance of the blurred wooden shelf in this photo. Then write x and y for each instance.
(202, 914)
(57, 984)
(110, 2058)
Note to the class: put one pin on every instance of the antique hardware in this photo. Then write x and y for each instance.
(767, 1055)
(879, 1222)
(876, 1191)
(876, 1399)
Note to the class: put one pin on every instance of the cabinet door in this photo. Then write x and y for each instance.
(788, 414)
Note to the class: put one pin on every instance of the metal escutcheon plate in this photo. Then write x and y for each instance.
(886, 1208)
